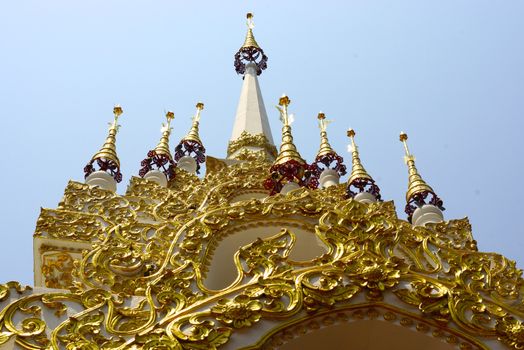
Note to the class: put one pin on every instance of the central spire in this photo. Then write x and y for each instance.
(251, 131)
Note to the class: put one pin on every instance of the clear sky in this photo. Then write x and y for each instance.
(449, 73)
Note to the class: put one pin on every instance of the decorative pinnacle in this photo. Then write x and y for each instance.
(325, 147)
(416, 185)
(193, 132)
(106, 158)
(358, 171)
(284, 101)
(288, 150)
(250, 38)
(108, 149)
(163, 144)
(250, 52)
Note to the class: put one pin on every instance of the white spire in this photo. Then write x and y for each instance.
(251, 114)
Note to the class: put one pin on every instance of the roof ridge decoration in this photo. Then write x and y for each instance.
(250, 51)
(249, 140)
(289, 165)
(191, 145)
(418, 190)
(359, 181)
(327, 157)
(471, 298)
(106, 159)
(160, 158)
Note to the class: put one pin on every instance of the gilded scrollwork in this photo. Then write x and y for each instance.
(141, 285)
(57, 268)
(248, 140)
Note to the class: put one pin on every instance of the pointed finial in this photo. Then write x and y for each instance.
(288, 150)
(106, 158)
(250, 39)
(289, 165)
(327, 158)
(163, 144)
(325, 147)
(418, 189)
(160, 158)
(359, 181)
(193, 132)
(191, 145)
(250, 52)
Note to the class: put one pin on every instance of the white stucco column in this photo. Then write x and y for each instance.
(102, 179)
(156, 176)
(290, 186)
(188, 164)
(329, 177)
(365, 197)
(428, 213)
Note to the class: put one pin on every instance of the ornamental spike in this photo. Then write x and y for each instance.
(288, 150)
(250, 38)
(191, 145)
(418, 189)
(289, 169)
(163, 144)
(325, 147)
(193, 135)
(160, 158)
(357, 171)
(359, 181)
(106, 158)
(250, 51)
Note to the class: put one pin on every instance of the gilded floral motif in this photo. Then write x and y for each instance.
(239, 312)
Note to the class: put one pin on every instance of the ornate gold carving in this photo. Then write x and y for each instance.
(56, 270)
(155, 244)
(248, 140)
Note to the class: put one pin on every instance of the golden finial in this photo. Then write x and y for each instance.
(250, 38)
(163, 144)
(415, 182)
(325, 147)
(357, 171)
(193, 132)
(108, 149)
(288, 151)
(284, 101)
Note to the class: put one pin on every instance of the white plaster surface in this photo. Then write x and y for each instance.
(188, 164)
(102, 179)
(251, 113)
(365, 197)
(426, 214)
(156, 176)
(329, 177)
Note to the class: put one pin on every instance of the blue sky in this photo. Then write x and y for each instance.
(449, 73)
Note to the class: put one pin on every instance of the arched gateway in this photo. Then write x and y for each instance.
(265, 252)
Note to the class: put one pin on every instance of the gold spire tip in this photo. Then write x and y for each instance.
(321, 116)
(351, 133)
(117, 111)
(200, 106)
(403, 136)
(284, 101)
(170, 116)
(249, 15)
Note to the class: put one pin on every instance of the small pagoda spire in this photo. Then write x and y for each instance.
(250, 38)
(191, 147)
(106, 159)
(419, 193)
(360, 184)
(159, 160)
(289, 169)
(250, 51)
(328, 166)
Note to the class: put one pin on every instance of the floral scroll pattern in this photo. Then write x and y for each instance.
(141, 285)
